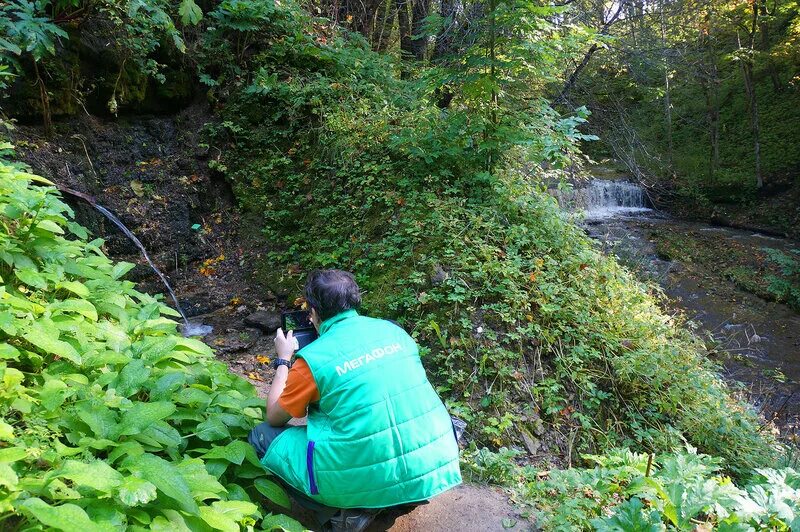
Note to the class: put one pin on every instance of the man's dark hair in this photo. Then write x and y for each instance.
(330, 292)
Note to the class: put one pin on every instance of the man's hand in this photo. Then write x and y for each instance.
(286, 345)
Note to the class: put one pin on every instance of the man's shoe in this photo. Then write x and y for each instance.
(352, 520)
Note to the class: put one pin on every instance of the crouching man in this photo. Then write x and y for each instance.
(378, 435)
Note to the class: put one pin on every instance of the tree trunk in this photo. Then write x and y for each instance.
(573, 78)
(419, 12)
(405, 29)
(445, 37)
(763, 26)
(667, 90)
(382, 34)
(750, 90)
(752, 103)
(492, 126)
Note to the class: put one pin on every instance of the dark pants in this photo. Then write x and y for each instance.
(260, 438)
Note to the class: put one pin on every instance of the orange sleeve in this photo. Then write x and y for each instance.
(301, 389)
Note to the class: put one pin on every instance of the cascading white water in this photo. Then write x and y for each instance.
(601, 199)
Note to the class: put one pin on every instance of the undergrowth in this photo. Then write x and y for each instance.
(520, 317)
(626, 491)
(108, 418)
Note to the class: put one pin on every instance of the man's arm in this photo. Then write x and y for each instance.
(284, 347)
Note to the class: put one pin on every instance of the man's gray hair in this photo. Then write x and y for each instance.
(330, 292)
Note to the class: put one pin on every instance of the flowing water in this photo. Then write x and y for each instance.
(189, 328)
(758, 342)
(602, 199)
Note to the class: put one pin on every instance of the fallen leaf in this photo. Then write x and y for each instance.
(263, 359)
(137, 188)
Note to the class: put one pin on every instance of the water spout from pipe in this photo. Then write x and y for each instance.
(189, 328)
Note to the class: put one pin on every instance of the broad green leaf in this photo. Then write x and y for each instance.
(6, 431)
(236, 510)
(234, 452)
(237, 493)
(191, 344)
(50, 226)
(101, 420)
(203, 485)
(167, 385)
(7, 325)
(134, 491)
(190, 12)
(131, 377)
(31, 278)
(97, 475)
(12, 454)
(66, 517)
(104, 358)
(78, 230)
(79, 306)
(12, 377)
(212, 429)
(8, 477)
(274, 522)
(171, 521)
(9, 352)
(166, 477)
(141, 415)
(120, 269)
(217, 520)
(76, 287)
(53, 394)
(272, 491)
(48, 342)
(160, 435)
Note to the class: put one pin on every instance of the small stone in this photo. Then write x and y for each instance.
(531, 444)
(265, 320)
(439, 275)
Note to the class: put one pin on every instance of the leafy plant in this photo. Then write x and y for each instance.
(785, 287)
(676, 491)
(108, 418)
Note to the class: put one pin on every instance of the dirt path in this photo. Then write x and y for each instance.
(468, 507)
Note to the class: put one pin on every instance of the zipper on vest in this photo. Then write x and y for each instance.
(312, 483)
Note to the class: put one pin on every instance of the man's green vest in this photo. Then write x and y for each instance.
(379, 435)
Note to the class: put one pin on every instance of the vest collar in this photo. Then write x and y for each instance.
(330, 322)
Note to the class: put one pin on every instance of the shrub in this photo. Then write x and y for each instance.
(786, 286)
(108, 418)
(676, 491)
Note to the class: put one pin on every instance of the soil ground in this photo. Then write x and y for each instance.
(151, 173)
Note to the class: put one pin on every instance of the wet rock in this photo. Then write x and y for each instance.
(532, 445)
(439, 275)
(265, 320)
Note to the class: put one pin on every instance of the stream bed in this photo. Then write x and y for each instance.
(756, 341)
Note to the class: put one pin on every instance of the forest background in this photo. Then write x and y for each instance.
(411, 142)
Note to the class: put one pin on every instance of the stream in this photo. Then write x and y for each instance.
(756, 342)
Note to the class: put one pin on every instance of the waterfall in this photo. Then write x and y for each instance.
(602, 198)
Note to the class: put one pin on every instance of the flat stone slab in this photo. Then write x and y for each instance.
(467, 507)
